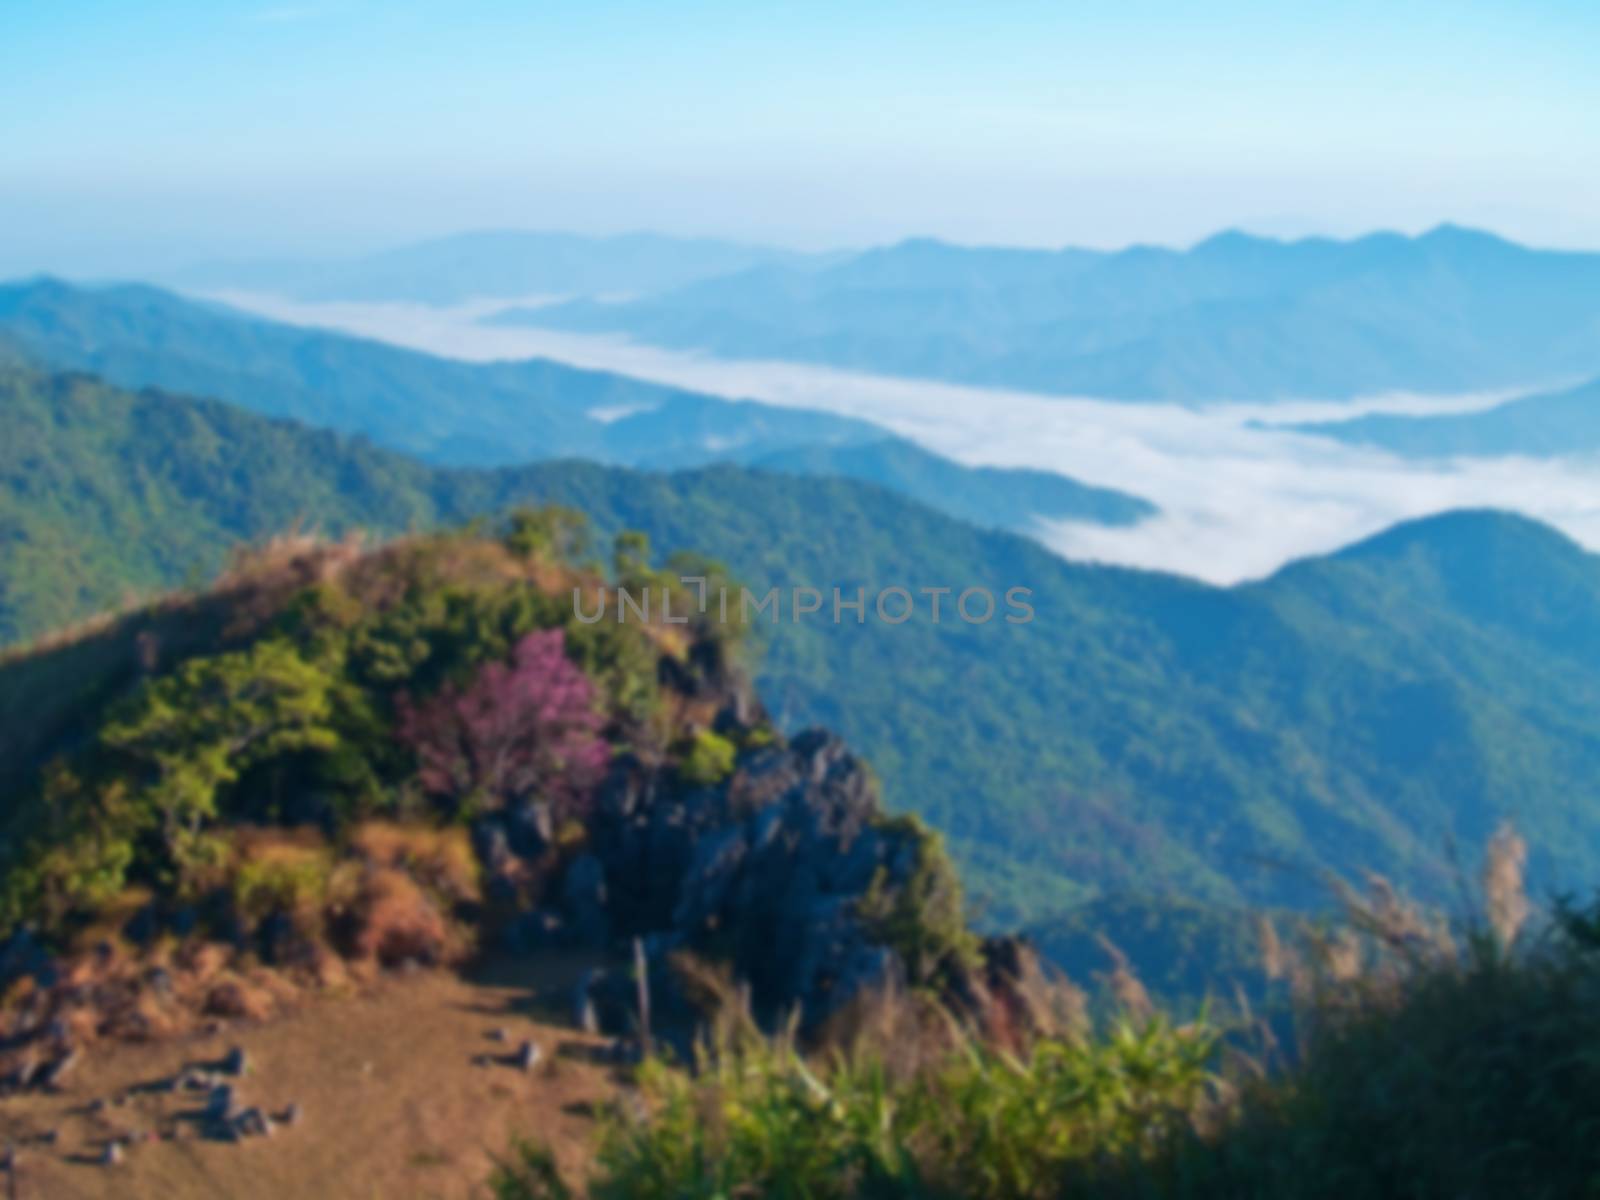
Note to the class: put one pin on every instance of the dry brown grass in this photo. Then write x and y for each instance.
(395, 921)
(440, 858)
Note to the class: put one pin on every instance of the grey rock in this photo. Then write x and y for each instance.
(583, 900)
(25, 1074)
(59, 1068)
(527, 1056)
(584, 1015)
(220, 1102)
(23, 954)
(253, 1122)
(540, 929)
(531, 827)
(492, 843)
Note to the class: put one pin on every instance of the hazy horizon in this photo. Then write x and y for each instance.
(163, 271)
(145, 138)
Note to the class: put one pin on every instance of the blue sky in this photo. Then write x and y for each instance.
(136, 132)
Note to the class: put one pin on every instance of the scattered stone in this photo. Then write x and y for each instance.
(25, 1074)
(195, 1080)
(98, 1104)
(21, 954)
(584, 1015)
(500, 1035)
(625, 1053)
(253, 1122)
(219, 1102)
(527, 1055)
(56, 1073)
(291, 1116)
(49, 1137)
(235, 1062)
(160, 981)
(112, 1154)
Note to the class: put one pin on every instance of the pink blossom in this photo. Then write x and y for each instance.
(522, 729)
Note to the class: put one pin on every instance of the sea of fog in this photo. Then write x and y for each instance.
(1238, 499)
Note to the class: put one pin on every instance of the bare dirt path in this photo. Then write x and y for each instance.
(404, 1092)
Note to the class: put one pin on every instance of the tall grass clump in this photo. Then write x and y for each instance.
(1430, 1058)
(1435, 1060)
(931, 1111)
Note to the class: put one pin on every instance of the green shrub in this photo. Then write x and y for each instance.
(281, 875)
(758, 1120)
(1478, 1076)
(924, 918)
(708, 760)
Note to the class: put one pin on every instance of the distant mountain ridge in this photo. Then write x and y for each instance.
(479, 414)
(509, 264)
(1144, 734)
(986, 496)
(1547, 425)
(1235, 317)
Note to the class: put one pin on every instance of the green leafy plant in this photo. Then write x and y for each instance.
(708, 759)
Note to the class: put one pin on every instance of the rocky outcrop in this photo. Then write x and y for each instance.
(765, 871)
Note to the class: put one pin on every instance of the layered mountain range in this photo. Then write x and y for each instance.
(487, 415)
(1144, 733)
(1235, 317)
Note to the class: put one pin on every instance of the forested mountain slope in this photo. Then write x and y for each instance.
(1143, 732)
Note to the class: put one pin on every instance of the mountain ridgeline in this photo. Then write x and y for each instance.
(1144, 733)
(1235, 317)
(494, 414)
(509, 264)
(1544, 425)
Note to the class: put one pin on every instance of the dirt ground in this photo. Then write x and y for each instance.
(404, 1091)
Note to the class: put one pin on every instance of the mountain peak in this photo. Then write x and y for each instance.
(1447, 235)
(1469, 530)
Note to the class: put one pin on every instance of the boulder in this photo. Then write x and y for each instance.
(491, 842)
(584, 1015)
(583, 901)
(22, 955)
(253, 1122)
(56, 1071)
(540, 929)
(530, 828)
(220, 1103)
(235, 1062)
(765, 871)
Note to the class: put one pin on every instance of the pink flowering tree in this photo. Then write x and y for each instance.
(519, 729)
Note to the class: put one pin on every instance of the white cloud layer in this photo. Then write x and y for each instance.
(1238, 499)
